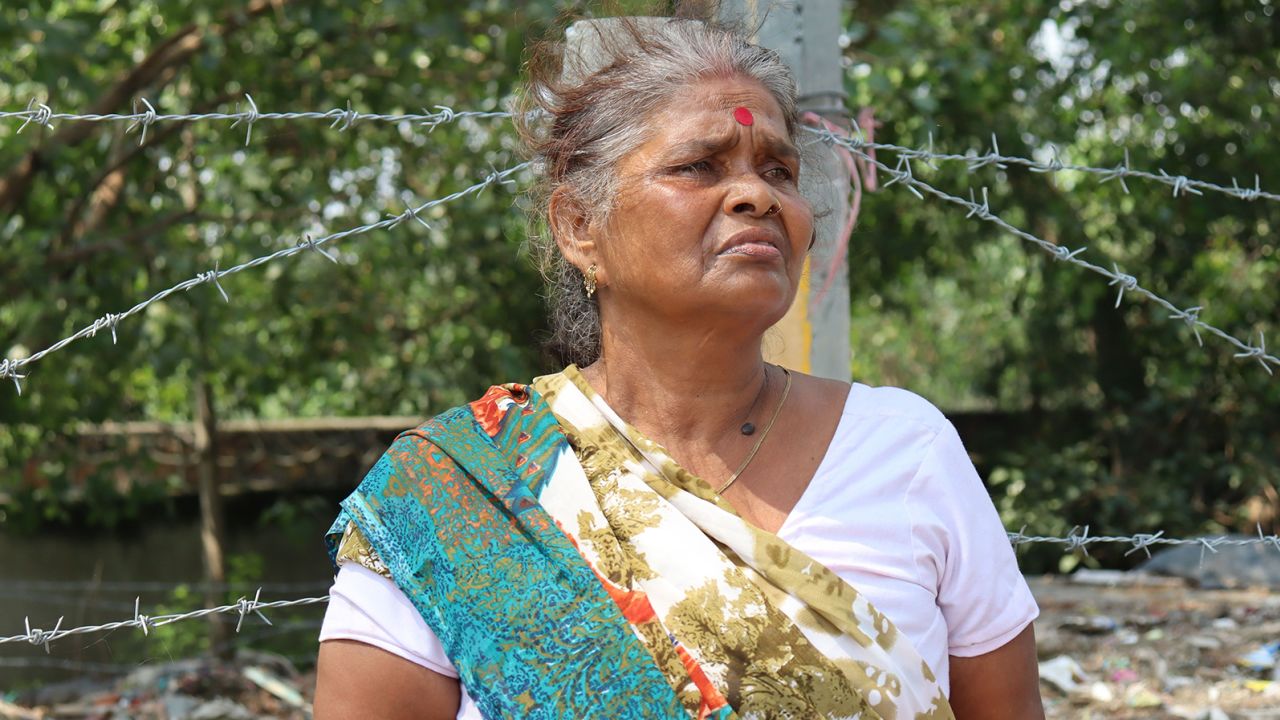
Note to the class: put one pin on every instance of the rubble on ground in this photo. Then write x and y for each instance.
(253, 685)
(1132, 645)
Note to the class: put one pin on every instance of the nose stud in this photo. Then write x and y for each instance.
(743, 116)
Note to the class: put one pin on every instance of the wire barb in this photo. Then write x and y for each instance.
(35, 636)
(1272, 540)
(495, 177)
(143, 621)
(39, 114)
(249, 118)
(1249, 194)
(982, 211)
(902, 174)
(1143, 541)
(1124, 280)
(1054, 166)
(1119, 172)
(146, 120)
(1062, 252)
(1258, 351)
(211, 276)
(110, 320)
(244, 607)
(443, 114)
(346, 117)
(1181, 185)
(412, 212)
(1078, 540)
(1191, 316)
(993, 157)
(9, 369)
(1020, 537)
(310, 244)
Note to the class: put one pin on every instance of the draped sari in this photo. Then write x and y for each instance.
(572, 569)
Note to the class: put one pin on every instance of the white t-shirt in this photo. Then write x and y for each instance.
(895, 508)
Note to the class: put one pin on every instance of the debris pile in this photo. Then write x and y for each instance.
(1129, 645)
(253, 685)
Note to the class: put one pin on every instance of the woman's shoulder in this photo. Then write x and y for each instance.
(888, 401)
(890, 404)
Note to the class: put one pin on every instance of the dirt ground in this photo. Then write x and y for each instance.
(1156, 648)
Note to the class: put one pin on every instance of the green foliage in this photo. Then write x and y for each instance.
(1128, 424)
(181, 639)
(188, 638)
(409, 322)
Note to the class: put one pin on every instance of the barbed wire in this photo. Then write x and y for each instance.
(1181, 184)
(243, 607)
(44, 115)
(10, 368)
(344, 118)
(1124, 282)
(341, 119)
(1080, 539)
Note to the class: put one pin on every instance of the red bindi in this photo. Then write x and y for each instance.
(743, 116)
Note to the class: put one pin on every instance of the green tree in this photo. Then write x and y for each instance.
(1122, 421)
(94, 218)
(1129, 425)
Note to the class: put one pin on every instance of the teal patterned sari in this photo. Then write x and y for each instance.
(572, 569)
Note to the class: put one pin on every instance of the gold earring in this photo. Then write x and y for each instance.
(589, 280)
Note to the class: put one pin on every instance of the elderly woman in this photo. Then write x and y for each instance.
(672, 527)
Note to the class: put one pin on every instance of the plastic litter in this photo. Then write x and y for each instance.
(1261, 659)
(1064, 674)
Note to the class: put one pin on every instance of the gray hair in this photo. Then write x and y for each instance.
(587, 105)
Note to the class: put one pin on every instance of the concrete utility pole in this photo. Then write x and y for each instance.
(814, 336)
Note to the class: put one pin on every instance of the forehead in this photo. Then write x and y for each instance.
(704, 110)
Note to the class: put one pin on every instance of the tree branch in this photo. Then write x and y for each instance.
(174, 51)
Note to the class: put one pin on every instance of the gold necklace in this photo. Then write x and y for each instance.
(786, 389)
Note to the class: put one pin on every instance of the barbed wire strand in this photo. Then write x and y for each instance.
(1181, 184)
(1078, 539)
(1124, 282)
(243, 608)
(10, 368)
(344, 118)
(340, 118)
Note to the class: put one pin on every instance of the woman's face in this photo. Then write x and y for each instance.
(709, 223)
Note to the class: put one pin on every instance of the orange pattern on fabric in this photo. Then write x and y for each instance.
(489, 412)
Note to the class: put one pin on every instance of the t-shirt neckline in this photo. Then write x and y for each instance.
(823, 464)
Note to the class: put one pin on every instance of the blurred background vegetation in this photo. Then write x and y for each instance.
(1076, 412)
